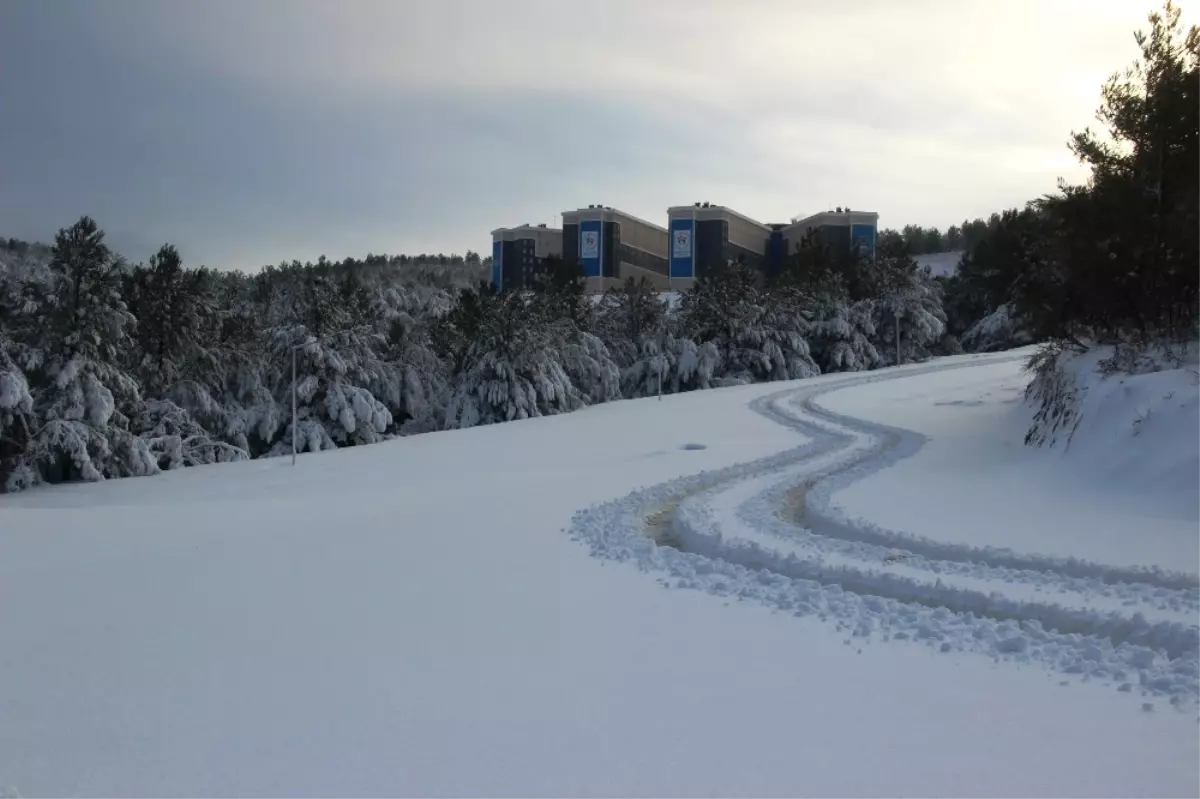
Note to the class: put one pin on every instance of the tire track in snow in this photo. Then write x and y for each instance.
(797, 512)
(675, 528)
(902, 444)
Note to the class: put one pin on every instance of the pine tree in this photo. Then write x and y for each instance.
(758, 334)
(225, 383)
(560, 289)
(1122, 257)
(17, 421)
(908, 297)
(163, 296)
(79, 387)
(841, 336)
(988, 275)
(632, 321)
(417, 398)
(337, 357)
(954, 238)
(506, 363)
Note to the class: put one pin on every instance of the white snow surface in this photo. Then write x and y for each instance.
(483, 612)
(941, 264)
(1124, 492)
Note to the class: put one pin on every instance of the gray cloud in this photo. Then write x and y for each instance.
(250, 132)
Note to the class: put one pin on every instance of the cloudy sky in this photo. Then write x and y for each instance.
(252, 131)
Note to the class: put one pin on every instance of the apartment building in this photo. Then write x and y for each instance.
(612, 246)
(519, 252)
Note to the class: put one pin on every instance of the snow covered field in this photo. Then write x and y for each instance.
(870, 588)
(1094, 500)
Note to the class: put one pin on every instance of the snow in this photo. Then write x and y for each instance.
(1115, 495)
(669, 298)
(482, 612)
(14, 392)
(941, 264)
(996, 331)
(1138, 437)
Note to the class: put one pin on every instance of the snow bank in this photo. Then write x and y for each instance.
(975, 483)
(1134, 422)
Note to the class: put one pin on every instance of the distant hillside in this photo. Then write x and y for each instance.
(23, 260)
(942, 264)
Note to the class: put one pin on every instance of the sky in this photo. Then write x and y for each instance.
(249, 132)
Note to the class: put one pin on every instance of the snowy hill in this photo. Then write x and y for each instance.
(941, 264)
(487, 611)
(1134, 428)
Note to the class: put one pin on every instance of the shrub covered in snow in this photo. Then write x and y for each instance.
(16, 417)
(841, 335)
(912, 299)
(996, 331)
(507, 363)
(756, 334)
(176, 440)
(1053, 391)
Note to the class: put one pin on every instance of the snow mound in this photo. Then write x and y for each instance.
(1127, 420)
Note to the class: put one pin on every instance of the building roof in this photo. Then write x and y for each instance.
(843, 217)
(526, 228)
(609, 213)
(682, 210)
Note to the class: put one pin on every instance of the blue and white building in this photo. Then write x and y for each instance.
(844, 230)
(704, 235)
(613, 246)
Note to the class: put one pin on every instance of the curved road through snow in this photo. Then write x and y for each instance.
(766, 531)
